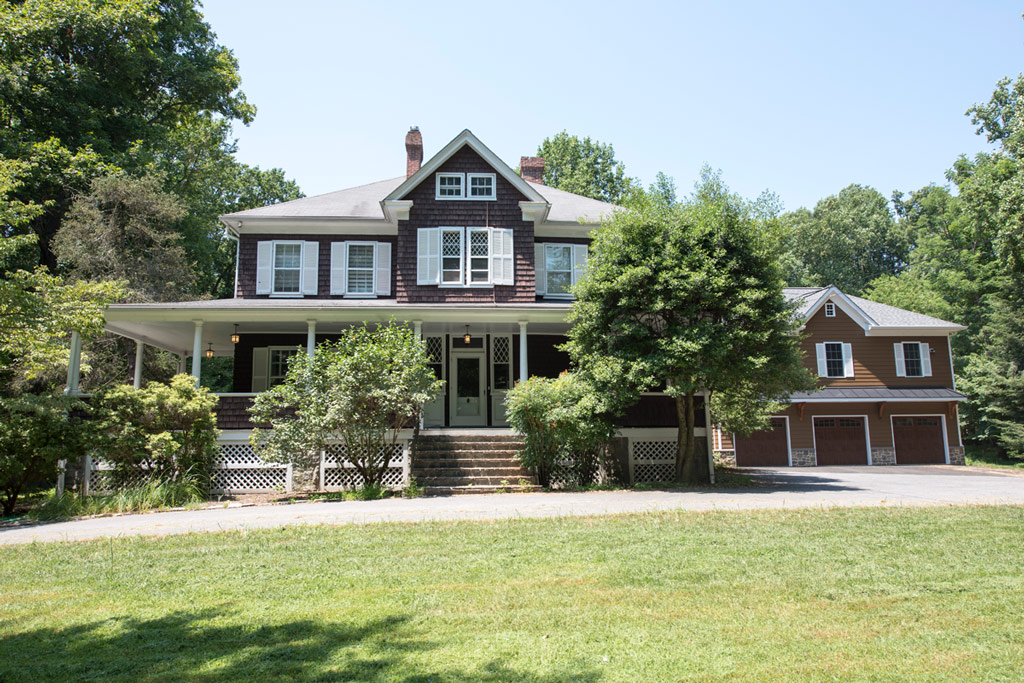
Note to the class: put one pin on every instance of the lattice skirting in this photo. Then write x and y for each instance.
(340, 476)
(652, 461)
(237, 469)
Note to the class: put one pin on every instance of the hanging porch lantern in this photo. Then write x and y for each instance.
(209, 351)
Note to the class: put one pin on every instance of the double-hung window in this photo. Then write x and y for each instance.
(835, 359)
(465, 257)
(558, 266)
(287, 267)
(360, 268)
(476, 186)
(913, 359)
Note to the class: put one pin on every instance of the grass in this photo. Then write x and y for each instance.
(865, 594)
(153, 494)
(988, 455)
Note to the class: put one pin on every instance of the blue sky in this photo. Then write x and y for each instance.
(798, 98)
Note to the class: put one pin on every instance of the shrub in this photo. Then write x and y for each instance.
(359, 391)
(168, 431)
(152, 494)
(564, 426)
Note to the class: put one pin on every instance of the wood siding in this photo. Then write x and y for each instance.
(247, 262)
(874, 363)
(428, 212)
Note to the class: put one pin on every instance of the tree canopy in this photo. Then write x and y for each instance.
(689, 295)
(584, 166)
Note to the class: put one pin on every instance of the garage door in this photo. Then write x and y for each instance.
(918, 440)
(767, 448)
(840, 441)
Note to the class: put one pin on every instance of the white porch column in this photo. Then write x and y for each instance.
(197, 349)
(74, 364)
(524, 373)
(417, 328)
(181, 363)
(137, 381)
(310, 337)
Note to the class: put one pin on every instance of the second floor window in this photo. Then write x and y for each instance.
(287, 267)
(360, 269)
(558, 268)
(835, 359)
(913, 359)
(464, 257)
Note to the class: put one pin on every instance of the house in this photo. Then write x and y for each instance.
(887, 394)
(476, 257)
(480, 260)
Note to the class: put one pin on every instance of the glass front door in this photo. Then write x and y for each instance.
(467, 397)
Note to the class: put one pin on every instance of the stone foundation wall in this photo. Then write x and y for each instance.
(725, 458)
(804, 457)
(956, 455)
(883, 455)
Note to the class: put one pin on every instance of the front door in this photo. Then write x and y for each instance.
(468, 408)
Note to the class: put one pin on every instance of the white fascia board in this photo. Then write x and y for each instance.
(396, 210)
(535, 211)
(845, 304)
(312, 225)
(466, 137)
(923, 331)
(540, 314)
(145, 339)
(564, 229)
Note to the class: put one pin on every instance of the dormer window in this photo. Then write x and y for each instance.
(481, 185)
(450, 186)
(477, 186)
(830, 310)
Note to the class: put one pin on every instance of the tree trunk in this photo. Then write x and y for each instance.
(688, 470)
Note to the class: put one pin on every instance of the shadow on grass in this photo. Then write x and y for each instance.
(193, 646)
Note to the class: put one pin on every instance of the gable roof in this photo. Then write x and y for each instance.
(870, 315)
(466, 139)
(365, 202)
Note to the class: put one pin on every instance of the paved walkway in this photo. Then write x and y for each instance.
(783, 488)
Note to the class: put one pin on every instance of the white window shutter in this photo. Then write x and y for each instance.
(260, 368)
(848, 360)
(508, 259)
(338, 268)
(579, 261)
(926, 360)
(819, 350)
(382, 284)
(495, 237)
(310, 263)
(428, 256)
(540, 268)
(901, 366)
(264, 266)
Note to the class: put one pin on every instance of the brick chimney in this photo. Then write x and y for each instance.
(413, 151)
(532, 169)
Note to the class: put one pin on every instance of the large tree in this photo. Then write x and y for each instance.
(584, 166)
(689, 295)
(84, 81)
(849, 239)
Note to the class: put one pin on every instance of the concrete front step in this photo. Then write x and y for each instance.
(432, 472)
(474, 446)
(462, 490)
(453, 460)
(433, 456)
(436, 438)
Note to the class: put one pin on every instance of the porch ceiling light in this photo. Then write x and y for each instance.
(234, 336)
(468, 337)
(209, 351)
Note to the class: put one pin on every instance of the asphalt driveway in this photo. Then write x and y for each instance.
(780, 488)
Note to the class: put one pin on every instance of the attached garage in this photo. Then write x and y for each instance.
(918, 440)
(767, 448)
(840, 440)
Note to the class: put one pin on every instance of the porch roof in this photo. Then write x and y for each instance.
(171, 326)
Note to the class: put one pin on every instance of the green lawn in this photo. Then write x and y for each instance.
(884, 594)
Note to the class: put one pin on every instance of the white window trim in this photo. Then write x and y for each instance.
(842, 358)
(273, 271)
(465, 281)
(437, 186)
(830, 310)
(924, 360)
(270, 361)
(372, 294)
(468, 190)
(572, 271)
